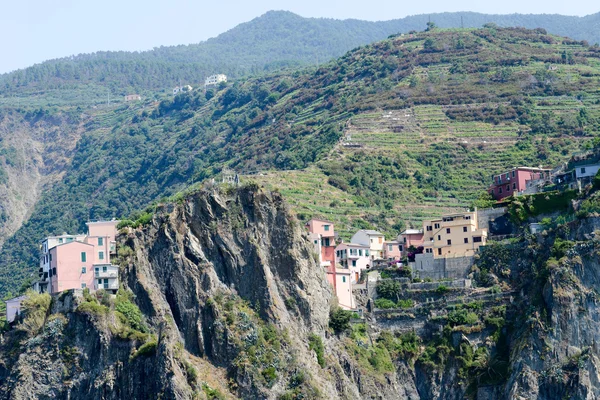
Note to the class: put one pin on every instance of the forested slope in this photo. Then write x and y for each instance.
(275, 40)
(432, 114)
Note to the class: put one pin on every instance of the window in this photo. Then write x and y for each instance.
(83, 270)
(83, 285)
(507, 175)
(360, 252)
(499, 180)
(50, 257)
(104, 269)
(354, 263)
(316, 241)
(439, 252)
(583, 170)
(390, 247)
(326, 228)
(466, 240)
(400, 248)
(83, 256)
(508, 188)
(100, 255)
(499, 190)
(50, 273)
(100, 241)
(54, 271)
(367, 253)
(99, 282)
(513, 174)
(69, 239)
(437, 226)
(105, 283)
(60, 240)
(447, 230)
(429, 251)
(96, 271)
(380, 240)
(464, 229)
(449, 242)
(344, 279)
(371, 240)
(514, 185)
(439, 237)
(476, 239)
(429, 227)
(467, 217)
(326, 242)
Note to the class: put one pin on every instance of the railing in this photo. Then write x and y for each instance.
(114, 285)
(106, 274)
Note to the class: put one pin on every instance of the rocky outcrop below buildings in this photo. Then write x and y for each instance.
(222, 298)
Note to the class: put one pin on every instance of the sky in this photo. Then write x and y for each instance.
(33, 31)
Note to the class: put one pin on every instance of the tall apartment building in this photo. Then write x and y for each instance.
(453, 235)
(79, 261)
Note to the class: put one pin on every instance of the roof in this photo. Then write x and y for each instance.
(391, 241)
(371, 232)
(319, 219)
(354, 245)
(71, 242)
(20, 298)
(412, 232)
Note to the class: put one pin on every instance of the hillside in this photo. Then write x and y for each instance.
(430, 117)
(275, 40)
(221, 298)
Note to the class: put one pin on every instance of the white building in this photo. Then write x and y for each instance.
(215, 80)
(182, 89)
(354, 258)
(106, 276)
(13, 308)
(586, 171)
(370, 238)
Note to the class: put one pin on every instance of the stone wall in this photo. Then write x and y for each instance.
(425, 266)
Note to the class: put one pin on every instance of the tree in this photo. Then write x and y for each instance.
(430, 26)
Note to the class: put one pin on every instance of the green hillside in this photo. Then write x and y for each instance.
(276, 40)
(430, 116)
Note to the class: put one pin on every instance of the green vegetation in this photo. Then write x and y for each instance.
(212, 394)
(523, 207)
(386, 303)
(467, 105)
(148, 349)
(35, 307)
(339, 320)
(315, 343)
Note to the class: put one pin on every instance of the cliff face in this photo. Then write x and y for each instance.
(234, 305)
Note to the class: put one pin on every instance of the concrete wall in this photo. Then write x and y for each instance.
(488, 214)
(426, 266)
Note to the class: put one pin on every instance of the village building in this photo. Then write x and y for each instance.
(515, 181)
(353, 257)
(79, 261)
(182, 89)
(453, 235)
(410, 238)
(322, 235)
(133, 97)
(214, 80)
(13, 308)
(370, 238)
(392, 250)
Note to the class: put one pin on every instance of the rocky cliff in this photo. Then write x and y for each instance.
(222, 298)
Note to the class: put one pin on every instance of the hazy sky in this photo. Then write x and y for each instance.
(32, 31)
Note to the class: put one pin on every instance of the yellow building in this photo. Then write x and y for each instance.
(453, 235)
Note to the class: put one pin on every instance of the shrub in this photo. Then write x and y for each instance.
(462, 317)
(389, 290)
(270, 375)
(406, 303)
(212, 394)
(146, 350)
(384, 303)
(339, 320)
(132, 315)
(316, 344)
(35, 307)
(442, 289)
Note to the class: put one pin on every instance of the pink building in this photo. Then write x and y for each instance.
(323, 229)
(391, 250)
(408, 238)
(343, 285)
(514, 181)
(79, 261)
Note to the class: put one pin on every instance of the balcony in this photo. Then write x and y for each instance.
(106, 274)
(113, 284)
(112, 246)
